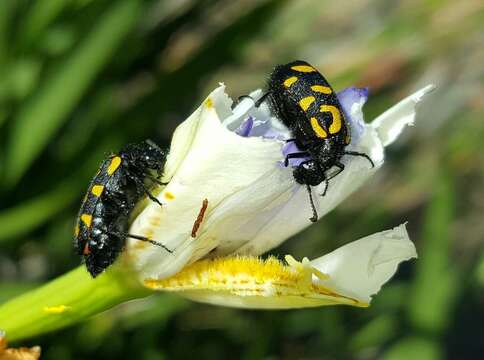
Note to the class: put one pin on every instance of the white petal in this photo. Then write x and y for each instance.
(391, 123)
(185, 133)
(349, 276)
(235, 174)
(249, 282)
(271, 227)
(360, 268)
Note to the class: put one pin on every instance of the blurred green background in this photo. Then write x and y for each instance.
(79, 78)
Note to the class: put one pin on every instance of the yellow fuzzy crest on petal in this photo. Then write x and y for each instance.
(252, 282)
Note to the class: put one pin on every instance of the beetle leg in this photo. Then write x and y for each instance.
(239, 99)
(144, 238)
(340, 167)
(313, 218)
(141, 238)
(355, 153)
(261, 99)
(151, 196)
(298, 155)
(142, 186)
(155, 180)
(256, 103)
(326, 182)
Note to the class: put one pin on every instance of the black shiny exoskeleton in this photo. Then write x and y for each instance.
(121, 181)
(305, 102)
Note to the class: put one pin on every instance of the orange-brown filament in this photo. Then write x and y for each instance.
(199, 219)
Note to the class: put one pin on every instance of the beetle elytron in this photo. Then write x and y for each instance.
(121, 181)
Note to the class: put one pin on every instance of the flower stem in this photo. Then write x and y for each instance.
(65, 301)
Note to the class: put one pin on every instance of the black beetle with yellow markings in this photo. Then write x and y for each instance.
(122, 180)
(305, 102)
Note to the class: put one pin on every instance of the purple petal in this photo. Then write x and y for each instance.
(348, 98)
(273, 134)
(246, 127)
(290, 147)
(351, 95)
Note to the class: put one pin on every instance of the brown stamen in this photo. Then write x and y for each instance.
(199, 219)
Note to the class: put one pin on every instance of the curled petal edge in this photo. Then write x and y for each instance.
(391, 123)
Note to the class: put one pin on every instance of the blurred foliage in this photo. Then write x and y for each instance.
(79, 78)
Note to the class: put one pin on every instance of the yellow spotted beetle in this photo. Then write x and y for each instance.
(305, 102)
(121, 181)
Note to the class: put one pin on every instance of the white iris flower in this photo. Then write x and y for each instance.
(230, 198)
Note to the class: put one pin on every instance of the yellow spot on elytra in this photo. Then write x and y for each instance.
(97, 190)
(86, 219)
(209, 103)
(76, 230)
(306, 102)
(303, 68)
(169, 195)
(335, 126)
(320, 132)
(58, 309)
(289, 81)
(115, 162)
(321, 89)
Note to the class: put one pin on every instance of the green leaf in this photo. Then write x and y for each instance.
(375, 333)
(41, 14)
(66, 300)
(7, 8)
(22, 218)
(480, 271)
(157, 310)
(22, 77)
(10, 290)
(436, 282)
(414, 348)
(41, 117)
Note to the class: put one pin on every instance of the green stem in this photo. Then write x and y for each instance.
(65, 301)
